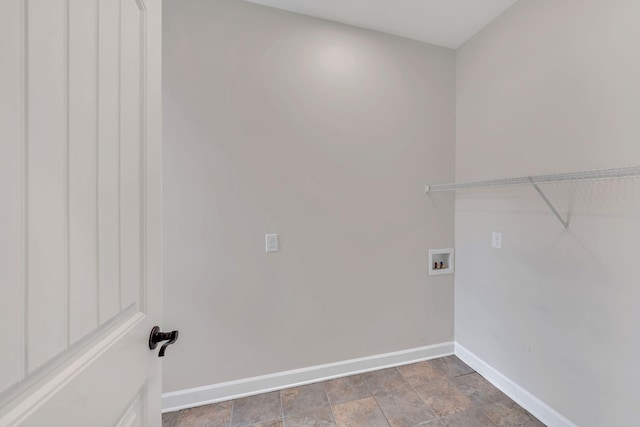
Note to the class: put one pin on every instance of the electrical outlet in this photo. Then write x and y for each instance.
(271, 242)
(496, 240)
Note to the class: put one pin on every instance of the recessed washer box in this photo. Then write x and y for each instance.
(440, 262)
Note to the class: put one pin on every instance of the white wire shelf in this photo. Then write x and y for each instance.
(592, 175)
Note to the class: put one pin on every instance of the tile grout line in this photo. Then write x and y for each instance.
(381, 410)
(418, 394)
(437, 417)
(366, 383)
(281, 408)
(333, 416)
(233, 404)
(373, 394)
(449, 382)
(375, 399)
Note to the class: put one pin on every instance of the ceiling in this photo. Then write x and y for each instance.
(447, 23)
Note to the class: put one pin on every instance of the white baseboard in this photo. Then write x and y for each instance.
(205, 395)
(538, 408)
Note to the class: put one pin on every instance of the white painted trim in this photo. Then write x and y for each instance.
(528, 401)
(182, 399)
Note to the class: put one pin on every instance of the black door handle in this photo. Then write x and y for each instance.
(157, 337)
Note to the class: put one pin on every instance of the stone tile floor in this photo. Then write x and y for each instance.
(437, 393)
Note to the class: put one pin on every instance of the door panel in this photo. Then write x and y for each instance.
(47, 224)
(131, 150)
(83, 144)
(80, 244)
(108, 160)
(135, 416)
(70, 396)
(12, 181)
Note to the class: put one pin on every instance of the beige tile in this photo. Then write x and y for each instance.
(404, 408)
(477, 389)
(360, 413)
(216, 415)
(384, 380)
(521, 422)
(432, 423)
(507, 413)
(256, 409)
(443, 398)
(303, 399)
(451, 366)
(346, 389)
(274, 423)
(317, 418)
(419, 373)
(470, 418)
(500, 410)
(170, 419)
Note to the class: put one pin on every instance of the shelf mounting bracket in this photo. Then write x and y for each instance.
(565, 224)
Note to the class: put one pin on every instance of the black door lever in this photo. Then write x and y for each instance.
(157, 337)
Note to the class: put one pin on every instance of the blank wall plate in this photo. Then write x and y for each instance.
(496, 240)
(271, 242)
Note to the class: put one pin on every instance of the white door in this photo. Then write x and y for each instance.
(80, 149)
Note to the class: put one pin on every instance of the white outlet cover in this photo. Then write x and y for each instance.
(271, 242)
(496, 240)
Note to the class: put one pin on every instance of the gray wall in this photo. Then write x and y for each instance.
(553, 86)
(325, 134)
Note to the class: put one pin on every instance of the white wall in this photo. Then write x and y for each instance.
(553, 86)
(325, 134)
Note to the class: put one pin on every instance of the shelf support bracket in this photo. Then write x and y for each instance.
(564, 223)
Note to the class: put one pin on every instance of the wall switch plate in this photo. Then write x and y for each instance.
(271, 242)
(496, 240)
